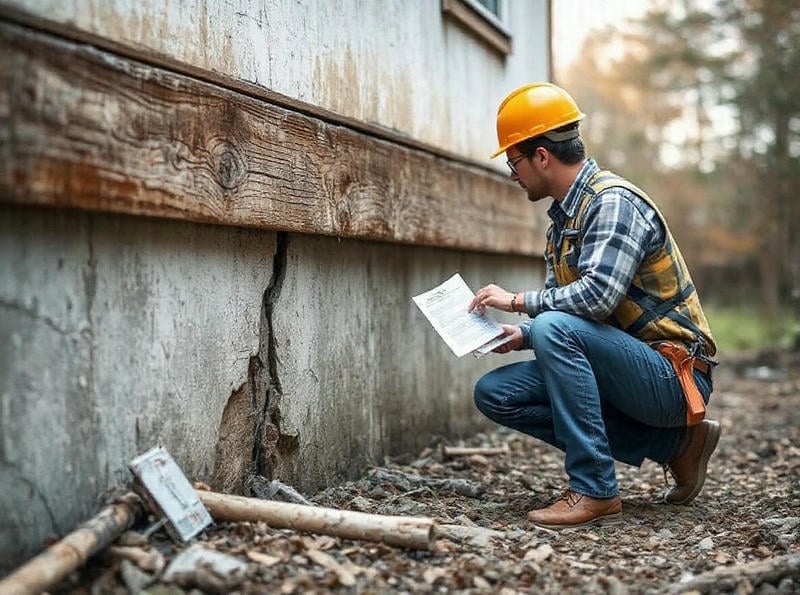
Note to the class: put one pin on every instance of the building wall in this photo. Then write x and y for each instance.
(402, 65)
(186, 262)
(360, 367)
(123, 333)
(119, 334)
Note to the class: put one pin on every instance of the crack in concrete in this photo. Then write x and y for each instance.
(35, 315)
(259, 424)
(270, 441)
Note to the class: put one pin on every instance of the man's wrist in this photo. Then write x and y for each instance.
(516, 304)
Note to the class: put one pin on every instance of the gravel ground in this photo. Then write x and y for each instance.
(741, 535)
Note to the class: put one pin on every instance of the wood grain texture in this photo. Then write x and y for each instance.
(84, 128)
(54, 564)
(376, 67)
(401, 531)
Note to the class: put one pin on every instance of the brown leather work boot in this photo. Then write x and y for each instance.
(689, 467)
(577, 510)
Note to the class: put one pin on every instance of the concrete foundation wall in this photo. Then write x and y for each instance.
(298, 357)
(118, 334)
(362, 372)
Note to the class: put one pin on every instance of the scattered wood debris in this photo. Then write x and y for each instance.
(742, 535)
(467, 451)
(463, 487)
(149, 560)
(772, 571)
(206, 569)
(50, 567)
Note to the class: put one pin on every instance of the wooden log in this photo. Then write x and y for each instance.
(726, 578)
(83, 128)
(465, 451)
(409, 532)
(463, 487)
(55, 563)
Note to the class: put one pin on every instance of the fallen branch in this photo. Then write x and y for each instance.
(466, 451)
(772, 571)
(463, 487)
(55, 563)
(410, 532)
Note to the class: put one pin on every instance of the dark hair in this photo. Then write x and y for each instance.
(566, 151)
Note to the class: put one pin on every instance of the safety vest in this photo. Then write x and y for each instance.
(661, 304)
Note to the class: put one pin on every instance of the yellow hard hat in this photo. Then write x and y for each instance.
(534, 110)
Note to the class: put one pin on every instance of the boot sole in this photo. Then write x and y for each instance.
(708, 449)
(600, 521)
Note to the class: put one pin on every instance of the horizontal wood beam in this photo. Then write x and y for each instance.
(84, 128)
(68, 31)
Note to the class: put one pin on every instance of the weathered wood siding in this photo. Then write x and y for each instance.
(398, 64)
(83, 128)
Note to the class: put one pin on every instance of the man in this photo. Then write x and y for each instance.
(622, 366)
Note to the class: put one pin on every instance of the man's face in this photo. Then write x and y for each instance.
(527, 174)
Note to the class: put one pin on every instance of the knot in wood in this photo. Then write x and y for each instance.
(230, 166)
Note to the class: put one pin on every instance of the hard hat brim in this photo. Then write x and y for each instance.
(550, 135)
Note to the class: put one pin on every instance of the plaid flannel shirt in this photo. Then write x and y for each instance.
(619, 231)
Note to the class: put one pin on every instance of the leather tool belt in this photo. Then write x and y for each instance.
(683, 363)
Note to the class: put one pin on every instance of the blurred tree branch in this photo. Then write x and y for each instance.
(699, 105)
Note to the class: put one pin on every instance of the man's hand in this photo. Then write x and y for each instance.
(514, 343)
(491, 295)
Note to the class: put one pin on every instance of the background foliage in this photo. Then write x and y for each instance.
(698, 102)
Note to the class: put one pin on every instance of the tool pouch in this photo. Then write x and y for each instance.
(683, 364)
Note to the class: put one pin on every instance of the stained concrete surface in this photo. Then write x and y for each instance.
(121, 333)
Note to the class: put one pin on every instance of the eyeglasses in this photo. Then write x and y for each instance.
(512, 163)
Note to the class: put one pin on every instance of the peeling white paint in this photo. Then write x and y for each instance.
(399, 64)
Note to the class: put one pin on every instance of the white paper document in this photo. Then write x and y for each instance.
(464, 332)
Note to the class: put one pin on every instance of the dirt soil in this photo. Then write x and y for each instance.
(741, 535)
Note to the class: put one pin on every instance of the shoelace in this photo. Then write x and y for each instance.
(571, 498)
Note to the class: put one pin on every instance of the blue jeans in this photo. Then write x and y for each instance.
(595, 392)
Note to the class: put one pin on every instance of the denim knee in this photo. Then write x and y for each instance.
(485, 395)
(550, 327)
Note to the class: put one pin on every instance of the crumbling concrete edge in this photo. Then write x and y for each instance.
(271, 442)
(250, 439)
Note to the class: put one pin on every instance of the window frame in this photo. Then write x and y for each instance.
(481, 22)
